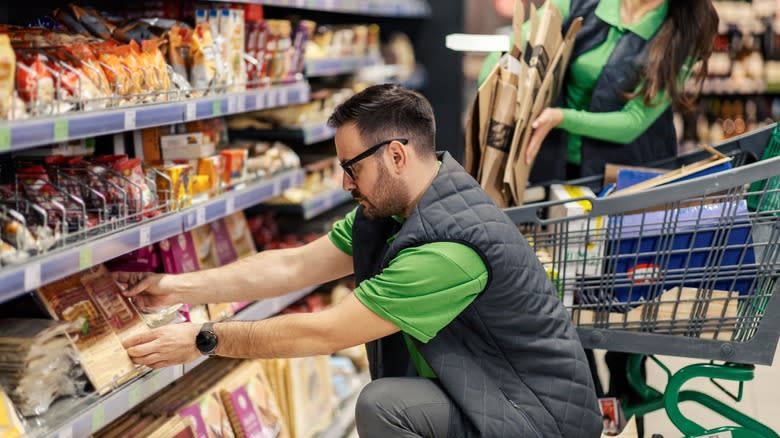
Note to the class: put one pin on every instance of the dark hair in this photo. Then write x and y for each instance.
(688, 32)
(384, 112)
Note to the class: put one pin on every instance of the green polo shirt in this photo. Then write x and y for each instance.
(422, 289)
(622, 126)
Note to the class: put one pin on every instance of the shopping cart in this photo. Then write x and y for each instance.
(687, 269)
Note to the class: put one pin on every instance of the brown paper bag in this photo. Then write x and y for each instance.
(498, 138)
(542, 99)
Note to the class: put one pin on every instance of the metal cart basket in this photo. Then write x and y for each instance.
(686, 269)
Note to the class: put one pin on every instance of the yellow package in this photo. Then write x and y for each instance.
(7, 71)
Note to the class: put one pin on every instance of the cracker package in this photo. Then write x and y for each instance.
(102, 356)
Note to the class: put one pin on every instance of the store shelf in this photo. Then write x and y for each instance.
(399, 8)
(416, 81)
(344, 418)
(81, 417)
(336, 66)
(306, 135)
(22, 134)
(260, 310)
(314, 206)
(727, 86)
(16, 280)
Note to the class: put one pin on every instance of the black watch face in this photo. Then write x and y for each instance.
(206, 341)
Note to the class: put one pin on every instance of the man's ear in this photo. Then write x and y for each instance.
(399, 155)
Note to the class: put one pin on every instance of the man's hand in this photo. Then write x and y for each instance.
(547, 120)
(164, 346)
(148, 290)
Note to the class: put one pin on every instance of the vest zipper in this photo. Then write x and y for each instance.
(522, 412)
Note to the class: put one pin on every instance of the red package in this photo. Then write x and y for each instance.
(140, 197)
(33, 82)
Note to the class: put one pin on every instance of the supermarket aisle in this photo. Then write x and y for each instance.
(759, 402)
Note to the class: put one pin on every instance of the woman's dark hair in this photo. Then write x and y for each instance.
(388, 111)
(688, 32)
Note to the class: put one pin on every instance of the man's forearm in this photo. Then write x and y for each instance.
(263, 275)
(294, 335)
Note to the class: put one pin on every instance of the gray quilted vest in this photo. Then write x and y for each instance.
(621, 74)
(511, 361)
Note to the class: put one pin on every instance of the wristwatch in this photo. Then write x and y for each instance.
(207, 340)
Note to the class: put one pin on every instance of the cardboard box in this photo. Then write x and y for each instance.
(178, 140)
(188, 151)
(579, 251)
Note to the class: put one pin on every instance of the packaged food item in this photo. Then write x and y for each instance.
(118, 76)
(102, 356)
(180, 39)
(92, 21)
(234, 162)
(90, 67)
(203, 74)
(239, 234)
(33, 82)
(211, 168)
(173, 190)
(140, 196)
(303, 33)
(232, 29)
(7, 76)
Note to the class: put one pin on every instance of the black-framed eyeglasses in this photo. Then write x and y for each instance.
(347, 165)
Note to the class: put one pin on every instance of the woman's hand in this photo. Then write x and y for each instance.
(547, 120)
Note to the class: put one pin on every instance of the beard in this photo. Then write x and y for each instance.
(391, 198)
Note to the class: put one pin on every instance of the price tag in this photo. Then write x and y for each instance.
(85, 257)
(272, 98)
(154, 381)
(283, 98)
(66, 432)
(5, 139)
(61, 130)
(134, 396)
(98, 418)
(232, 104)
(260, 101)
(216, 107)
(191, 111)
(230, 205)
(240, 104)
(200, 216)
(129, 120)
(32, 276)
(299, 3)
(329, 5)
(145, 236)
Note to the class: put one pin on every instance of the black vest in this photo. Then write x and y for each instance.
(622, 74)
(511, 361)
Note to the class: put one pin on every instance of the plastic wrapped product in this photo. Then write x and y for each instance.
(203, 73)
(7, 73)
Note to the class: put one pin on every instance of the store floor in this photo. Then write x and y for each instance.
(761, 399)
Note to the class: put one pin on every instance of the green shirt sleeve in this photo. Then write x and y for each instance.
(341, 233)
(564, 7)
(625, 125)
(424, 288)
(622, 126)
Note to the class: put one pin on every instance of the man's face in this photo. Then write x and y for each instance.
(376, 187)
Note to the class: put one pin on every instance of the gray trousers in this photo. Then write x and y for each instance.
(406, 407)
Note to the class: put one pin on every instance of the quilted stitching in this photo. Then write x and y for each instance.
(516, 336)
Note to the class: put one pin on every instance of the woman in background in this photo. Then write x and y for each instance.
(626, 74)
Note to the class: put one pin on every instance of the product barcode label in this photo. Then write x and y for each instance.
(145, 236)
(230, 205)
(134, 396)
(190, 111)
(129, 120)
(272, 98)
(259, 101)
(98, 418)
(232, 104)
(283, 98)
(200, 216)
(32, 276)
(240, 104)
(5, 139)
(66, 432)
